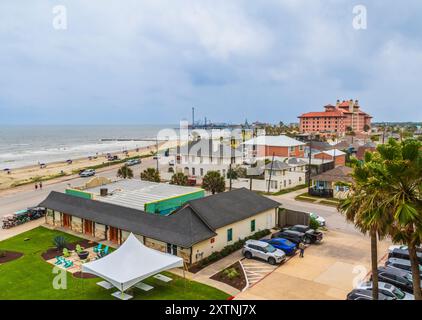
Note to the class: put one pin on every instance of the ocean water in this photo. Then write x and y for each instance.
(28, 145)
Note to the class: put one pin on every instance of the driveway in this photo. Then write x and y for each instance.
(328, 271)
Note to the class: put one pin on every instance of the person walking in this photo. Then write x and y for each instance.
(36, 187)
(302, 249)
(40, 185)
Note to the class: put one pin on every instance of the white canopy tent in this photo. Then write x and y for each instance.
(131, 263)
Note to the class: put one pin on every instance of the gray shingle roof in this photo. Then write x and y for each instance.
(183, 228)
(191, 224)
(208, 147)
(225, 208)
(338, 174)
(277, 166)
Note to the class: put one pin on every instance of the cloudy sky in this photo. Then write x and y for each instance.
(151, 61)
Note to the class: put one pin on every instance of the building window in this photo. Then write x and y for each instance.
(229, 235)
(201, 170)
(253, 225)
(172, 249)
(193, 171)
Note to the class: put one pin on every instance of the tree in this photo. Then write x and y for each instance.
(402, 173)
(363, 208)
(213, 182)
(179, 179)
(150, 174)
(232, 173)
(125, 172)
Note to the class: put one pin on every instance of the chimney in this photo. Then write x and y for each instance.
(103, 192)
(351, 105)
(338, 102)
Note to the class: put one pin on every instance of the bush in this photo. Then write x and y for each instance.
(60, 242)
(231, 273)
(313, 223)
(215, 256)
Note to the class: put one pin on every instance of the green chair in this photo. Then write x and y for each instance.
(78, 248)
(66, 253)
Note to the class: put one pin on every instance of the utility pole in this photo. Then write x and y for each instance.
(310, 162)
(231, 173)
(271, 172)
(193, 117)
(156, 144)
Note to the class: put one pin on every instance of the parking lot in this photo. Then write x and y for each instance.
(328, 271)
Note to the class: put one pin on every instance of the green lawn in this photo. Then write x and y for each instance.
(30, 277)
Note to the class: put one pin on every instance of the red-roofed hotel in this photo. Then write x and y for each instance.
(336, 119)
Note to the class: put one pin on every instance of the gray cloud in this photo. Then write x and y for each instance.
(152, 60)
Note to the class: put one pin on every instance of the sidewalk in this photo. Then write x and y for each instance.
(8, 233)
(204, 275)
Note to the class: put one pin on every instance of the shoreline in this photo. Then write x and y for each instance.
(58, 169)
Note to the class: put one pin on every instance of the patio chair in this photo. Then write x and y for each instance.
(68, 264)
(66, 253)
(102, 253)
(105, 251)
(98, 248)
(78, 248)
(59, 260)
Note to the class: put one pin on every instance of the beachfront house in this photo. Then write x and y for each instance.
(193, 232)
(201, 156)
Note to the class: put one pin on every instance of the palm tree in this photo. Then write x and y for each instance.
(179, 179)
(125, 172)
(403, 180)
(213, 182)
(362, 207)
(150, 174)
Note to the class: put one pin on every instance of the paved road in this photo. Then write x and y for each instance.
(335, 221)
(26, 196)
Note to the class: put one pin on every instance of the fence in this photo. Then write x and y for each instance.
(288, 217)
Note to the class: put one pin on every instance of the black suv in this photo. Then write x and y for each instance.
(399, 278)
(311, 235)
(361, 294)
(404, 254)
(294, 236)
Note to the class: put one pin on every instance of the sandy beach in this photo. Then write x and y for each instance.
(57, 170)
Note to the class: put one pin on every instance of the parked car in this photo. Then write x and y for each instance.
(294, 236)
(311, 235)
(156, 157)
(133, 162)
(401, 264)
(360, 294)
(397, 277)
(403, 254)
(387, 289)
(87, 173)
(112, 158)
(284, 245)
(318, 218)
(263, 250)
(172, 162)
(402, 247)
